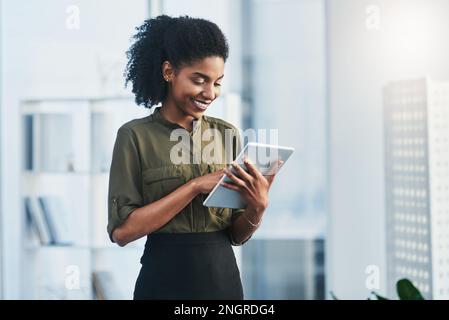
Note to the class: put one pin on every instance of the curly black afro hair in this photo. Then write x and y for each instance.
(181, 41)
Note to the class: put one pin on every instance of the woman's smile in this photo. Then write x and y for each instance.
(198, 104)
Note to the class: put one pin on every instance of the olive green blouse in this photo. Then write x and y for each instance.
(142, 170)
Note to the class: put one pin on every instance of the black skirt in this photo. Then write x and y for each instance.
(189, 266)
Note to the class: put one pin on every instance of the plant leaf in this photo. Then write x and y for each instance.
(407, 291)
(378, 296)
(333, 295)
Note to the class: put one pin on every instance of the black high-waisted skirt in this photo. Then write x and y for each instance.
(189, 266)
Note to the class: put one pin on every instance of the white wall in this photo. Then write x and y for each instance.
(1, 152)
(289, 95)
(410, 42)
(41, 57)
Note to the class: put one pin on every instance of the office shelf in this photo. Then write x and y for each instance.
(65, 171)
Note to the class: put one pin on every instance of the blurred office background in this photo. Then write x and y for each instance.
(358, 87)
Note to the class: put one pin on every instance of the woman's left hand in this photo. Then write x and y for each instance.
(252, 185)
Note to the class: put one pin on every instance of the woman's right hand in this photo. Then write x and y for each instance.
(206, 183)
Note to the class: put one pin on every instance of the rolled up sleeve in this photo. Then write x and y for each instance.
(125, 180)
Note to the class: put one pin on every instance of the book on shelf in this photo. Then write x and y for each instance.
(28, 142)
(57, 218)
(48, 142)
(104, 286)
(36, 219)
(50, 219)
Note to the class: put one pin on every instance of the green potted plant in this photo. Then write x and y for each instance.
(405, 290)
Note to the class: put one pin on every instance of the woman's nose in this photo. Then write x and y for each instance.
(209, 93)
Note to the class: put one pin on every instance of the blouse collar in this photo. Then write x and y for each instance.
(157, 115)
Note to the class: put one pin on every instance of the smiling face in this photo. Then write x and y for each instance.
(193, 87)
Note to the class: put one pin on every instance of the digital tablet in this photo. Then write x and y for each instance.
(264, 157)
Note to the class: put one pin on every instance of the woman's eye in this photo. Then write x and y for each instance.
(201, 82)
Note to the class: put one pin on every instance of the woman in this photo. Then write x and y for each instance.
(179, 62)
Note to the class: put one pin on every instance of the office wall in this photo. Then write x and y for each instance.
(286, 56)
(370, 43)
(44, 55)
(1, 152)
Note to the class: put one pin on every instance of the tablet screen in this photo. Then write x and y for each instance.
(268, 159)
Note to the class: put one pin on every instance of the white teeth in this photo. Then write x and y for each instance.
(200, 104)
